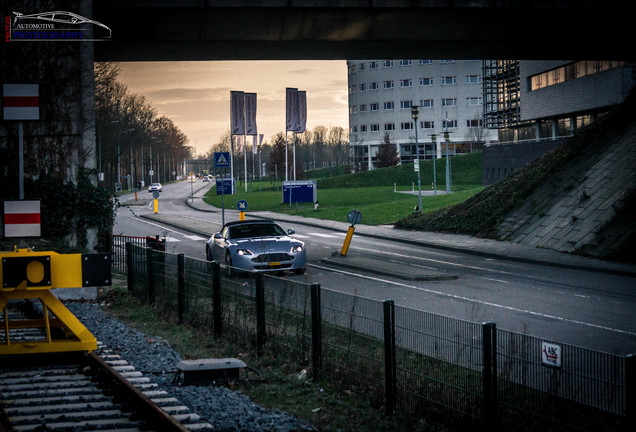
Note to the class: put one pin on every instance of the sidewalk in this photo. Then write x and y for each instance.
(451, 242)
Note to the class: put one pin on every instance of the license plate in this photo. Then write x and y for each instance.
(275, 263)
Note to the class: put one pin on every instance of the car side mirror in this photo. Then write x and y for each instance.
(291, 231)
(218, 236)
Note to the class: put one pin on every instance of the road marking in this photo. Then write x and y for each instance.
(491, 279)
(172, 240)
(468, 299)
(195, 237)
(322, 235)
(301, 236)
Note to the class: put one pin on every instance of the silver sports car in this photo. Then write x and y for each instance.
(261, 246)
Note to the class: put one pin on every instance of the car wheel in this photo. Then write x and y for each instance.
(300, 271)
(229, 271)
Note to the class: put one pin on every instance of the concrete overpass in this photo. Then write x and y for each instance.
(168, 30)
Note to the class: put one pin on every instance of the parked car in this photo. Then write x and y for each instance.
(259, 246)
(155, 187)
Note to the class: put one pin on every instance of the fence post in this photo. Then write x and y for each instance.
(151, 282)
(181, 286)
(316, 332)
(129, 265)
(630, 390)
(490, 375)
(390, 374)
(260, 314)
(217, 309)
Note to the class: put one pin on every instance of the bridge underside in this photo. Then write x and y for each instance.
(256, 30)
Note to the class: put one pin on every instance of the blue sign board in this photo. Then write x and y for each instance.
(224, 186)
(241, 205)
(221, 159)
(299, 191)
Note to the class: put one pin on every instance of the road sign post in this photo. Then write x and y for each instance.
(222, 160)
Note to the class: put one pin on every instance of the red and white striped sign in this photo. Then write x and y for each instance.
(22, 218)
(21, 101)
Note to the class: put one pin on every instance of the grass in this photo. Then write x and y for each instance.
(370, 192)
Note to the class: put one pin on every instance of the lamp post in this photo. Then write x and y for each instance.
(434, 141)
(448, 179)
(414, 114)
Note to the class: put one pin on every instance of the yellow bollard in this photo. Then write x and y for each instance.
(135, 195)
(345, 246)
(242, 216)
(156, 206)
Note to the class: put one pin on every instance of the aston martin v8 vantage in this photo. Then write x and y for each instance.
(259, 246)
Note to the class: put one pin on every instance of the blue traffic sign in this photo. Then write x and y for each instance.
(221, 159)
(242, 205)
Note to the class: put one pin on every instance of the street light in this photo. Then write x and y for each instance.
(434, 141)
(448, 179)
(414, 114)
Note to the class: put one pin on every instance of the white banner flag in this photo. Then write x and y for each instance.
(291, 109)
(239, 143)
(250, 114)
(254, 145)
(302, 111)
(237, 116)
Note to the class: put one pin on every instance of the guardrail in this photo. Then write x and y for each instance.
(456, 372)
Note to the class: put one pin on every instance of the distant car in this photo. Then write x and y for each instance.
(258, 246)
(206, 179)
(155, 187)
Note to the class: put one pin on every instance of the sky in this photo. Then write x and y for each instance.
(196, 95)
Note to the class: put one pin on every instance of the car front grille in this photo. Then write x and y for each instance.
(273, 257)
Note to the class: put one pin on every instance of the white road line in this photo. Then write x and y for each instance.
(172, 240)
(301, 236)
(468, 299)
(195, 237)
(322, 235)
(491, 279)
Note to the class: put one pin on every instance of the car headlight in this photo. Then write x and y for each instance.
(296, 249)
(244, 252)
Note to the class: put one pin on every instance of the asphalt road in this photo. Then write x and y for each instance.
(578, 307)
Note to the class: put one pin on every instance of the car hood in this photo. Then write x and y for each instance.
(261, 245)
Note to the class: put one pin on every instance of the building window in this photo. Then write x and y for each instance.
(570, 72)
(426, 62)
(362, 87)
(449, 80)
(406, 104)
(448, 61)
(405, 62)
(388, 106)
(407, 126)
(446, 102)
(352, 69)
(449, 123)
(363, 108)
(354, 129)
(374, 106)
(374, 86)
(387, 63)
(474, 123)
(427, 124)
(427, 103)
(426, 81)
(375, 127)
(352, 89)
(373, 65)
(473, 79)
(363, 128)
(389, 126)
(406, 83)
(361, 67)
(353, 109)
(474, 101)
(388, 84)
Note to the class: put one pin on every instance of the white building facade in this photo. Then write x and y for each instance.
(448, 95)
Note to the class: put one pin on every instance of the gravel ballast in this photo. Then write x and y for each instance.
(224, 409)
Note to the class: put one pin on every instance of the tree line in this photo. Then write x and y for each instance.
(134, 143)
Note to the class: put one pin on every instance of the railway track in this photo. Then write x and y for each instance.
(84, 392)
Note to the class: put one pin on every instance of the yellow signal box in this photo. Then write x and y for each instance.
(29, 275)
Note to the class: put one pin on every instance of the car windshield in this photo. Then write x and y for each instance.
(256, 230)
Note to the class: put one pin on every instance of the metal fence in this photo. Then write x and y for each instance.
(451, 371)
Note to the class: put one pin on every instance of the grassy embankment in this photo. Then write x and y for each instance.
(371, 192)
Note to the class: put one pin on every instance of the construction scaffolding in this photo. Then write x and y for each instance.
(501, 93)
